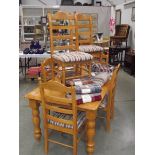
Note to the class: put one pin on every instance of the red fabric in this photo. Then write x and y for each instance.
(94, 98)
(34, 71)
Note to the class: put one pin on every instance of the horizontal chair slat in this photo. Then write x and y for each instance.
(63, 37)
(84, 26)
(83, 18)
(58, 100)
(85, 33)
(65, 47)
(53, 108)
(62, 27)
(55, 17)
(59, 120)
(85, 41)
(58, 128)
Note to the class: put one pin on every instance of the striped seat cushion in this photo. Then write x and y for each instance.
(90, 48)
(72, 56)
(81, 117)
(88, 89)
(96, 67)
(86, 98)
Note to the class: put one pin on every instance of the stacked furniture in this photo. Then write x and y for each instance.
(116, 54)
(121, 35)
(85, 35)
(55, 92)
(64, 52)
(129, 64)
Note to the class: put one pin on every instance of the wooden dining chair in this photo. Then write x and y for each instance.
(60, 113)
(63, 48)
(46, 70)
(107, 105)
(84, 34)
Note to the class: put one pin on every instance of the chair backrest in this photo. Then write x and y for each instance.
(114, 80)
(122, 30)
(62, 31)
(84, 31)
(46, 69)
(54, 100)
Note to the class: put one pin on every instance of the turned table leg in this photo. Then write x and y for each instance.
(91, 117)
(35, 118)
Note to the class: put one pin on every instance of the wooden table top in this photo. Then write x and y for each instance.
(35, 95)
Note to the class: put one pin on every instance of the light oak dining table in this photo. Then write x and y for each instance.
(34, 100)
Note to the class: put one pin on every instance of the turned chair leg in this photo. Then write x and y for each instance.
(74, 144)
(46, 141)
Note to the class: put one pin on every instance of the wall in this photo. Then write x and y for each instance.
(126, 19)
(50, 2)
(104, 14)
(37, 2)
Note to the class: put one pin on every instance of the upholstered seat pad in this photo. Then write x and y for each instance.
(90, 48)
(81, 117)
(86, 98)
(72, 56)
(88, 89)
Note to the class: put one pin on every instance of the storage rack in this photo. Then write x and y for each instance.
(30, 17)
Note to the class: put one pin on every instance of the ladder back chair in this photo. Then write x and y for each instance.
(64, 51)
(107, 105)
(60, 113)
(46, 70)
(84, 34)
(121, 35)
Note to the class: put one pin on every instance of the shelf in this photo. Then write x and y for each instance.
(29, 33)
(31, 16)
(29, 25)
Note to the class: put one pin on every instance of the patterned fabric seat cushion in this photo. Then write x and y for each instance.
(81, 117)
(99, 79)
(90, 48)
(88, 89)
(102, 68)
(85, 98)
(72, 56)
(80, 81)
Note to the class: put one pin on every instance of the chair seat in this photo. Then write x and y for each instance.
(81, 117)
(72, 56)
(90, 48)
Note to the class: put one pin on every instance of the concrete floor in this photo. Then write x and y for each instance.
(120, 141)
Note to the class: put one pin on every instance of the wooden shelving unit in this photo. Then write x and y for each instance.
(30, 21)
